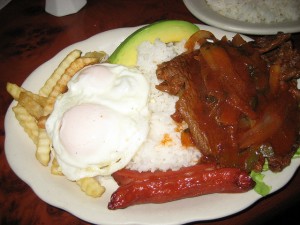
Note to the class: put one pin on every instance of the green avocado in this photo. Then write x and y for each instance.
(166, 31)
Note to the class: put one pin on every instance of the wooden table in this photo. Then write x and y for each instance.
(30, 36)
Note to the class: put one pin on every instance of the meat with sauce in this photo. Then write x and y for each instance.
(239, 99)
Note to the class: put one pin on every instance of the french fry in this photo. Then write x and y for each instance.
(15, 91)
(55, 168)
(27, 121)
(51, 82)
(43, 147)
(32, 107)
(91, 186)
(61, 85)
(102, 56)
(39, 99)
(42, 121)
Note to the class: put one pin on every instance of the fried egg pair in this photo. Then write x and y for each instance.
(99, 124)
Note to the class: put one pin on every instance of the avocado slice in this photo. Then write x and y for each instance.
(166, 30)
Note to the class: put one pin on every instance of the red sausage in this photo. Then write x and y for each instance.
(125, 176)
(180, 184)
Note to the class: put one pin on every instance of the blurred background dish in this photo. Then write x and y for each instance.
(3, 3)
(63, 8)
(201, 10)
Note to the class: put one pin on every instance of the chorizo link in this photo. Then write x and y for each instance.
(190, 183)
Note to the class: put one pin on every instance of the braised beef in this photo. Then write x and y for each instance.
(240, 100)
(267, 43)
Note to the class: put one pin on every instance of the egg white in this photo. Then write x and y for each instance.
(99, 124)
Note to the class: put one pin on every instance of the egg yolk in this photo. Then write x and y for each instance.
(87, 128)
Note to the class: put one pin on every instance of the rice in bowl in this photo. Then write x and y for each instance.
(257, 11)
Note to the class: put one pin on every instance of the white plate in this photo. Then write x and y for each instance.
(202, 11)
(59, 192)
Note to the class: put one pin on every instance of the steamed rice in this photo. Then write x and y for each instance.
(257, 11)
(163, 149)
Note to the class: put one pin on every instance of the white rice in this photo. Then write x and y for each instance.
(257, 11)
(156, 154)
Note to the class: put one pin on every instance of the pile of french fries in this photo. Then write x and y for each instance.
(32, 111)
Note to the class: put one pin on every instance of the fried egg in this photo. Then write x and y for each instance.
(99, 124)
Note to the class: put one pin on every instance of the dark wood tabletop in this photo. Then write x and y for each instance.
(30, 36)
